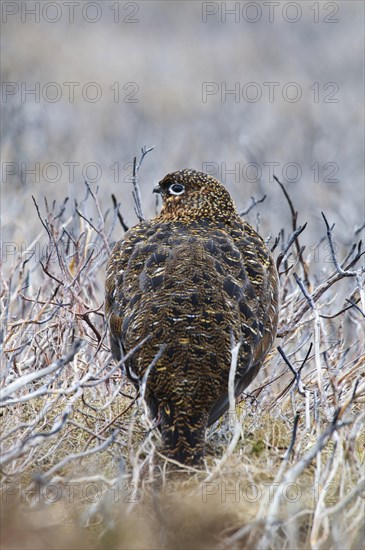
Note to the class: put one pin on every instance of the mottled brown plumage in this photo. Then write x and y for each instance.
(191, 279)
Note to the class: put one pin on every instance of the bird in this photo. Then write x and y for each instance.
(181, 289)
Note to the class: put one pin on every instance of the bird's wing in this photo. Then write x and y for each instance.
(115, 299)
(257, 300)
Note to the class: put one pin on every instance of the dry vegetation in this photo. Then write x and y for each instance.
(81, 467)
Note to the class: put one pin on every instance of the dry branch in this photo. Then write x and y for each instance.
(136, 191)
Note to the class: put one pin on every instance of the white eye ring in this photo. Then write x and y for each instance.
(176, 189)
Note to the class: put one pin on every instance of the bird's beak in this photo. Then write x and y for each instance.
(157, 189)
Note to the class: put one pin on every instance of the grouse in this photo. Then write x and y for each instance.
(181, 288)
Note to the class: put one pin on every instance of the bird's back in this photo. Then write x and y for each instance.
(190, 288)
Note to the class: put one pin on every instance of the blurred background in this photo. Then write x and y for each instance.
(241, 90)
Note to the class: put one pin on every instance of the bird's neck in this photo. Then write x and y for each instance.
(175, 211)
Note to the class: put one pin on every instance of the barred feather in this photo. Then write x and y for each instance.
(190, 279)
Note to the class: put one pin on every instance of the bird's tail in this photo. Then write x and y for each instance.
(183, 434)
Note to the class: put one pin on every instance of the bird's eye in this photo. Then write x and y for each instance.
(176, 189)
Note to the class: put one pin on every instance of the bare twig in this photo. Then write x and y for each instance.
(136, 191)
(293, 438)
(343, 272)
(317, 329)
(120, 217)
(77, 456)
(359, 229)
(27, 378)
(143, 382)
(353, 304)
(291, 240)
(291, 475)
(294, 215)
(254, 202)
(276, 242)
(40, 218)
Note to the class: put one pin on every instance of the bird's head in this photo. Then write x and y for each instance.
(189, 195)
